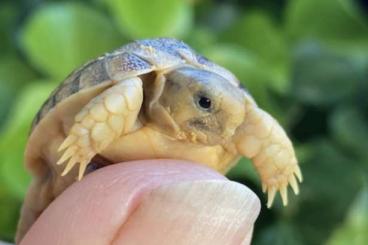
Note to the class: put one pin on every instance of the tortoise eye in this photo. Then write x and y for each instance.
(204, 102)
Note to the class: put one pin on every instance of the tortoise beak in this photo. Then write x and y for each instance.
(262, 139)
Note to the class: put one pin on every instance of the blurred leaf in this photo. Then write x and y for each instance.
(244, 168)
(200, 38)
(328, 20)
(15, 134)
(331, 182)
(9, 211)
(321, 77)
(59, 37)
(13, 74)
(350, 129)
(304, 152)
(339, 24)
(218, 16)
(257, 33)
(354, 230)
(143, 19)
(7, 20)
(281, 233)
(6, 98)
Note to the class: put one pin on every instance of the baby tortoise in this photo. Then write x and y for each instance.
(152, 98)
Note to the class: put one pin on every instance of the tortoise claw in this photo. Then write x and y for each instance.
(283, 193)
(69, 166)
(75, 154)
(298, 173)
(280, 185)
(67, 154)
(294, 184)
(271, 196)
(67, 142)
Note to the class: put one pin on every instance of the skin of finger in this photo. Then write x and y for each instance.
(248, 237)
(196, 212)
(92, 210)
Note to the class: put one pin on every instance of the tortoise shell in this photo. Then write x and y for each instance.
(134, 59)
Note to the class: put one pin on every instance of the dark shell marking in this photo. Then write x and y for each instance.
(167, 45)
(91, 74)
(132, 58)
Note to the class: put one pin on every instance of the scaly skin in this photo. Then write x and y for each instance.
(100, 122)
(262, 139)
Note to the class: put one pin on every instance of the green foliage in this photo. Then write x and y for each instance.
(9, 212)
(317, 71)
(327, 20)
(354, 136)
(340, 24)
(11, 81)
(142, 19)
(354, 230)
(266, 41)
(305, 61)
(70, 27)
(279, 234)
(332, 180)
(7, 21)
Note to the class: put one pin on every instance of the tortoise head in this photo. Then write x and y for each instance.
(202, 105)
(211, 110)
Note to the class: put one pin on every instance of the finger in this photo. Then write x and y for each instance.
(108, 204)
(196, 212)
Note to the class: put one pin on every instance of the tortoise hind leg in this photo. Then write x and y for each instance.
(105, 118)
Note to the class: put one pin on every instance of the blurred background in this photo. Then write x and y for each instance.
(304, 61)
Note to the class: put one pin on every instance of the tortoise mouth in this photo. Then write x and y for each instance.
(96, 163)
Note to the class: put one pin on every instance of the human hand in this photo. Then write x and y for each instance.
(149, 202)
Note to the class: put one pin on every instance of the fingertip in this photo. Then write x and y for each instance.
(124, 201)
(196, 212)
(92, 210)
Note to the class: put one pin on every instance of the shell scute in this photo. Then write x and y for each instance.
(121, 65)
(134, 59)
(165, 45)
(94, 73)
(105, 68)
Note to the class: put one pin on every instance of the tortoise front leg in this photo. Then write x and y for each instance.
(261, 139)
(105, 118)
